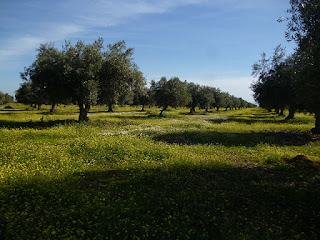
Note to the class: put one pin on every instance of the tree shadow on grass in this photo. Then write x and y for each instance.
(178, 202)
(13, 110)
(34, 124)
(236, 139)
(142, 116)
(246, 119)
(48, 113)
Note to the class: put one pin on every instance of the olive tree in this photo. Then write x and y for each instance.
(81, 70)
(304, 28)
(172, 92)
(119, 75)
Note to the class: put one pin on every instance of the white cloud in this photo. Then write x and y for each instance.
(19, 46)
(80, 17)
(113, 12)
(13, 49)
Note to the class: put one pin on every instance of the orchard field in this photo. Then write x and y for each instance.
(135, 175)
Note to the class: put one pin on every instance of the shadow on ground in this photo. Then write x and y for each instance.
(179, 202)
(255, 118)
(34, 124)
(12, 110)
(236, 139)
(247, 120)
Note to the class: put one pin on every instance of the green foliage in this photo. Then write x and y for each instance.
(84, 75)
(25, 94)
(202, 96)
(172, 92)
(194, 91)
(5, 98)
(119, 76)
(81, 74)
(304, 29)
(207, 98)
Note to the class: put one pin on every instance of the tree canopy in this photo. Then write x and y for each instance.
(5, 98)
(81, 74)
(172, 92)
(85, 75)
(293, 82)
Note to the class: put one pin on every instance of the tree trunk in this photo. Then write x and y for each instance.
(207, 109)
(163, 109)
(39, 107)
(316, 129)
(142, 110)
(192, 110)
(281, 112)
(53, 108)
(83, 116)
(218, 109)
(110, 108)
(292, 111)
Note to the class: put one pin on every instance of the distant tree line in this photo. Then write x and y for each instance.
(293, 81)
(5, 98)
(85, 75)
(175, 93)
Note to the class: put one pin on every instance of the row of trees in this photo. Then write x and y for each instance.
(81, 74)
(174, 93)
(293, 81)
(85, 75)
(5, 98)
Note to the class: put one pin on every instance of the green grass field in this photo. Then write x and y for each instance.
(134, 175)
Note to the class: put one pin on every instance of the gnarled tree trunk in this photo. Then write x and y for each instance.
(163, 109)
(53, 108)
(110, 108)
(316, 129)
(192, 109)
(83, 116)
(281, 112)
(292, 111)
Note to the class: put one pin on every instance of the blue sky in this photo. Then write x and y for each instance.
(212, 43)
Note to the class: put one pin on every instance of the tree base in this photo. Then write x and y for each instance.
(289, 118)
(110, 109)
(315, 130)
(83, 119)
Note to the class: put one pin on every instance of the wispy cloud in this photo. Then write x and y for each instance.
(113, 12)
(71, 18)
(19, 46)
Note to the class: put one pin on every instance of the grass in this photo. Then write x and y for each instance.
(134, 175)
